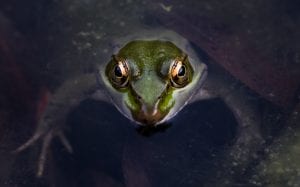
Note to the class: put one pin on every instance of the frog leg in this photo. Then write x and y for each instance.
(245, 110)
(52, 122)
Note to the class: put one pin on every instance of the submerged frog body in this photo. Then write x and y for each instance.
(149, 79)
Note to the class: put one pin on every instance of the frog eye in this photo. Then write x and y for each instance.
(178, 74)
(120, 74)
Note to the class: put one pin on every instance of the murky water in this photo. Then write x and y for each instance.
(46, 42)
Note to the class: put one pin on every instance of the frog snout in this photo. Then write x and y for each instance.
(149, 115)
(149, 118)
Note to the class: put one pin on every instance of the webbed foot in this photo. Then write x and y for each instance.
(46, 137)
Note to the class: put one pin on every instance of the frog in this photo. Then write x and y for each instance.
(150, 76)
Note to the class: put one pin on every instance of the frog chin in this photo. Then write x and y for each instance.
(148, 115)
(153, 115)
(153, 118)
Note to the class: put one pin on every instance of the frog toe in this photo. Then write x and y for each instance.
(43, 155)
(65, 141)
(47, 139)
(29, 142)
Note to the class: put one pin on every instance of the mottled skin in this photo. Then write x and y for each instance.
(145, 80)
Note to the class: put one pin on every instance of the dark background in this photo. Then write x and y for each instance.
(44, 42)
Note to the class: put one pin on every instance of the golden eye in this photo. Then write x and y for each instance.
(178, 74)
(120, 74)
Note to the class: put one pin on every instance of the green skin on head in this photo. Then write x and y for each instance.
(144, 77)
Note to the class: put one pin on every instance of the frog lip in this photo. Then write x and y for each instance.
(149, 116)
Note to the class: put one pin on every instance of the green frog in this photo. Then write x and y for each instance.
(149, 78)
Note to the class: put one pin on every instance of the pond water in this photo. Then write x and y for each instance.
(46, 42)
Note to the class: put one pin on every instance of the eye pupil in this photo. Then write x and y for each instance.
(181, 71)
(119, 74)
(118, 71)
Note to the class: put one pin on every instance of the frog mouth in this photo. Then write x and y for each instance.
(147, 114)
(149, 117)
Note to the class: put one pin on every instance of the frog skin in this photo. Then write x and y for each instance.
(149, 78)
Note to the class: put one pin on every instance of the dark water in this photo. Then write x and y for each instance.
(173, 156)
(43, 43)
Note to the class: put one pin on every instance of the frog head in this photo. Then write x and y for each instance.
(150, 81)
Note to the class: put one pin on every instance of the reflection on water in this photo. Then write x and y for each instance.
(45, 42)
